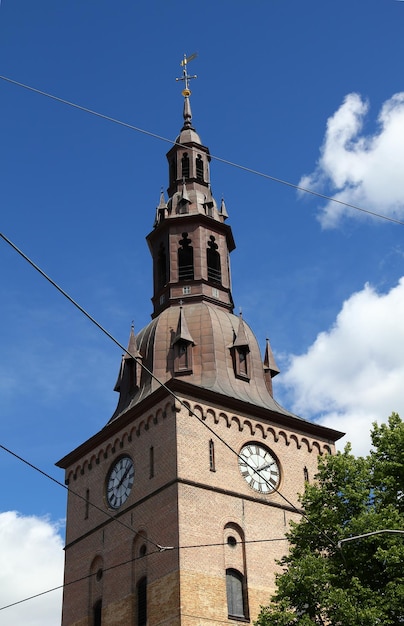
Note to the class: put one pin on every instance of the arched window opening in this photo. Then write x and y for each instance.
(185, 165)
(236, 596)
(142, 602)
(142, 550)
(199, 168)
(212, 466)
(97, 613)
(185, 259)
(161, 266)
(213, 261)
(173, 171)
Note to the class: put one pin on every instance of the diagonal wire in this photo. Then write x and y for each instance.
(95, 506)
(216, 158)
(137, 558)
(164, 386)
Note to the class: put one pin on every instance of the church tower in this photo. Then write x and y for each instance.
(178, 506)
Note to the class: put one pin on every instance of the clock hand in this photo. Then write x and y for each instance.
(265, 467)
(126, 472)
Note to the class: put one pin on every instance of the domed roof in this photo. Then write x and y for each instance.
(213, 332)
(188, 135)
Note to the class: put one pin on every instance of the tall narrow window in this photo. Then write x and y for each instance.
(241, 361)
(242, 355)
(182, 356)
(142, 602)
(97, 613)
(236, 605)
(185, 259)
(173, 171)
(199, 168)
(161, 266)
(213, 261)
(306, 474)
(185, 165)
(87, 504)
(212, 456)
(151, 461)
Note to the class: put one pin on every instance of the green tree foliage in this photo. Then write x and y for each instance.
(361, 582)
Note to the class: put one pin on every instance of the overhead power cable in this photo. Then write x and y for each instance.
(214, 157)
(112, 567)
(87, 501)
(84, 312)
(164, 386)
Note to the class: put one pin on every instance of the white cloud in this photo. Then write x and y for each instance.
(352, 375)
(31, 562)
(364, 170)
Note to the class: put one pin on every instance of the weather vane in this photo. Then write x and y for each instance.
(185, 76)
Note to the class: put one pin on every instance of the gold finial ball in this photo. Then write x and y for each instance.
(186, 93)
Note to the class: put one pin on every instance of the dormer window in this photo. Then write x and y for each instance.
(183, 207)
(182, 357)
(199, 168)
(240, 352)
(185, 165)
(241, 362)
(182, 346)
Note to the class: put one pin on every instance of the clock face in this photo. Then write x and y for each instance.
(120, 481)
(255, 457)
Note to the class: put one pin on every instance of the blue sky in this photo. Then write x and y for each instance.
(78, 195)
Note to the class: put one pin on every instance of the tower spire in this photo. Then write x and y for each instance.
(186, 92)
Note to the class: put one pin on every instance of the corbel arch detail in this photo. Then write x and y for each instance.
(316, 445)
(284, 436)
(296, 440)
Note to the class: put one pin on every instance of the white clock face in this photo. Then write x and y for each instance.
(255, 457)
(120, 481)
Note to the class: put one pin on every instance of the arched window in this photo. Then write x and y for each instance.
(199, 168)
(185, 259)
(185, 165)
(173, 171)
(161, 266)
(142, 550)
(142, 602)
(235, 588)
(97, 613)
(213, 261)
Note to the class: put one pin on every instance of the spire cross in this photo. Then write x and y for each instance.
(186, 92)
